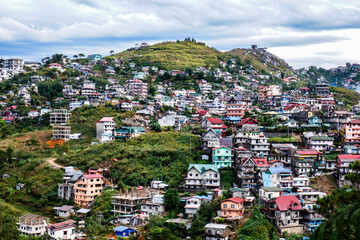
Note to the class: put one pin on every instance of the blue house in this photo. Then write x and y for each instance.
(124, 232)
(278, 177)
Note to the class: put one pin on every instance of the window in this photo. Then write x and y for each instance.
(232, 206)
(225, 205)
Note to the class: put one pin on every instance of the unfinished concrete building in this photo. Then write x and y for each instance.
(59, 117)
(32, 225)
(61, 132)
(128, 201)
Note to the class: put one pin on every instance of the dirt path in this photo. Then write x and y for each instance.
(52, 163)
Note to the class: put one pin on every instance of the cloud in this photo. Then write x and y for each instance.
(87, 25)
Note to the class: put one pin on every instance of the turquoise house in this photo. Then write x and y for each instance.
(222, 157)
(315, 120)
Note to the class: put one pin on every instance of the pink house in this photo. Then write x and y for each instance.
(352, 131)
(232, 207)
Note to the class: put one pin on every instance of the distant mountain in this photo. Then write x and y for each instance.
(182, 54)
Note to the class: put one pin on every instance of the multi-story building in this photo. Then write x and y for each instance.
(86, 188)
(137, 87)
(126, 202)
(61, 132)
(259, 145)
(59, 117)
(237, 106)
(205, 88)
(311, 219)
(66, 188)
(342, 165)
(105, 126)
(284, 213)
(202, 176)
(193, 204)
(214, 123)
(352, 132)
(14, 65)
(232, 207)
(321, 143)
(222, 157)
(248, 173)
(278, 177)
(210, 140)
(154, 207)
(32, 225)
(306, 162)
(322, 89)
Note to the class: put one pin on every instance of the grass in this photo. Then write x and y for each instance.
(349, 97)
(281, 139)
(174, 56)
(17, 142)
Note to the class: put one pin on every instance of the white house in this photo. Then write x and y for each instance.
(194, 203)
(202, 176)
(62, 230)
(33, 114)
(32, 225)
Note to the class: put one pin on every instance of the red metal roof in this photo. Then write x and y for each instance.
(234, 199)
(349, 157)
(308, 152)
(92, 176)
(285, 203)
(260, 162)
(215, 121)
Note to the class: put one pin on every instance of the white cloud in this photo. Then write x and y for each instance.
(289, 28)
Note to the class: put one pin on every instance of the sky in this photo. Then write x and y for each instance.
(324, 33)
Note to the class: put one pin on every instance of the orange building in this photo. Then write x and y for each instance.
(87, 188)
(232, 207)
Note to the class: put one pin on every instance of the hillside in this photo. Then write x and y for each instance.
(349, 97)
(174, 55)
(261, 59)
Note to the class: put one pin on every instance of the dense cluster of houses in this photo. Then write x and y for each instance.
(272, 162)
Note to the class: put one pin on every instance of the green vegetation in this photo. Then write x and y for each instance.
(153, 156)
(281, 139)
(8, 218)
(227, 177)
(343, 225)
(349, 97)
(256, 227)
(174, 55)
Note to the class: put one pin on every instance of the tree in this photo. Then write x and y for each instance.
(228, 132)
(154, 125)
(32, 143)
(172, 200)
(81, 55)
(75, 56)
(354, 176)
(112, 52)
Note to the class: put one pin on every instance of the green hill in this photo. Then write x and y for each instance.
(174, 55)
(261, 59)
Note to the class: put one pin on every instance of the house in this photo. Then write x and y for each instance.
(222, 157)
(232, 207)
(214, 123)
(32, 225)
(63, 230)
(278, 177)
(352, 133)
(215, 231)
(210, 140)
(202, 176)
(342, 164)
(306, 162)
(64, 211)
(258, 144)
(248, 125)
(87, 187)
(154, 207)
(291, 123)
(239, 192)
(125, 105)
(248, 173)
(33, 114)
(124, 232)
(237, 106)
(128, 132)
(284, 213)
(315, 120)
(105, 127)
(321, 143)
(193, 204)
(267, 194)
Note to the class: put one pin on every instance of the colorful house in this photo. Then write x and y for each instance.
(315, 120)
(232, 207)
(87, 188)
(222, 157)
(124, 232)
(278, 177)
(352, 131)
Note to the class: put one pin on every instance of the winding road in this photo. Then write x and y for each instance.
(53, 164)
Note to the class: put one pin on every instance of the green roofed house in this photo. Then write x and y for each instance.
(222, 157)
(128, 132)
(202, 176)
(321, 143)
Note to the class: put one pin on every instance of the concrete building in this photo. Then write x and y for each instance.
(66, 188)
(32, 225)
(193, 204)
(63, 230)
(215, 231)
(59, 117)
(137, 87)
(202, 176)
(87, 187)
(105, 126)
(14, 65)
(126, 202)
(61, 132)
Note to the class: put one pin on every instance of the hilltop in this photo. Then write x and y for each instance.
(190, 54)
(174, 55)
